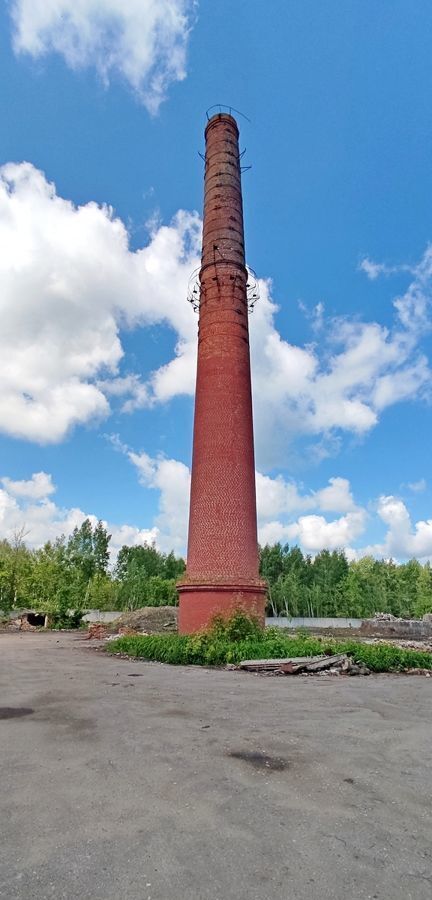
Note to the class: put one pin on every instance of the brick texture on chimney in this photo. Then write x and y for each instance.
(222, 558)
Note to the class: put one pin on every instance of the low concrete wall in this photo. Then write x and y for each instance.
(18, 613)
(407, 629)
(101, 615)
(311, 623)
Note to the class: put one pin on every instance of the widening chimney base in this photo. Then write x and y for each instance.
(200, 602)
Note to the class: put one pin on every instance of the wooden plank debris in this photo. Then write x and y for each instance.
(260, 664)
(306, 664)
(327, 662)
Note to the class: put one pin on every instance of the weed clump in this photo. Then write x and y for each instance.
(241, 637)
(238, 627)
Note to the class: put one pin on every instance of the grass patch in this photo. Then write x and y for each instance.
(229, 644)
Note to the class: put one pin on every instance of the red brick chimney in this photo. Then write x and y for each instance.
(222, 558)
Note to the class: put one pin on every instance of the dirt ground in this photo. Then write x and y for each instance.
(137, 781)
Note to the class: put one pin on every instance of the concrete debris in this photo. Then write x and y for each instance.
(386, 617)
(25, 620)
(426, 672)
(402, 643)
(339, 664)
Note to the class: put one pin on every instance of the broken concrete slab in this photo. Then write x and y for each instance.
(339, 663)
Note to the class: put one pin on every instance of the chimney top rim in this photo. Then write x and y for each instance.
(221, 117)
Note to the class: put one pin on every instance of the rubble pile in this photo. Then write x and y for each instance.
(97, 631)
(148, 620)
(402, 643)
(386, 625)
(25, 620)
(339, 664)
(385, 617)
(426, 672)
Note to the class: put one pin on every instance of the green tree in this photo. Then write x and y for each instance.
(329, 571)
(423, 603)
(146, 577)
(52, 584)
(144, 557)
(161, 591)
(101, 540)
(132, 587)
(362, 588)
(87, 559)
(174, 566)
(272, 562)
(15, 568)
(408, 577)
(80, 551)
(102, 592)
(288, 595)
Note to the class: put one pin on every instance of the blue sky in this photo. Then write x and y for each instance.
(103, 111)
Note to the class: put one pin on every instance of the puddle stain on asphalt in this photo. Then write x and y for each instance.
(260, 760)
(15, 712)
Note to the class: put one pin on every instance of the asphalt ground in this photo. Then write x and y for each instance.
(136, 780)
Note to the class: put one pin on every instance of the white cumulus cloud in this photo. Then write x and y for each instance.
(278, 501)
(39, 519)
(39, 486)
(341, 386)
(171, 478)
(275, 498)
(403, 540)
(143, 41)
(68, 284)
(314, 533)
(286, 513)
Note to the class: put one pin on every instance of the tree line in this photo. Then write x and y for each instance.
(74, 574)
(329, 585)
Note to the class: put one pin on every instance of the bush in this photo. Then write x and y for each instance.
(67, 620)
(238, 627)
(386, 658)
